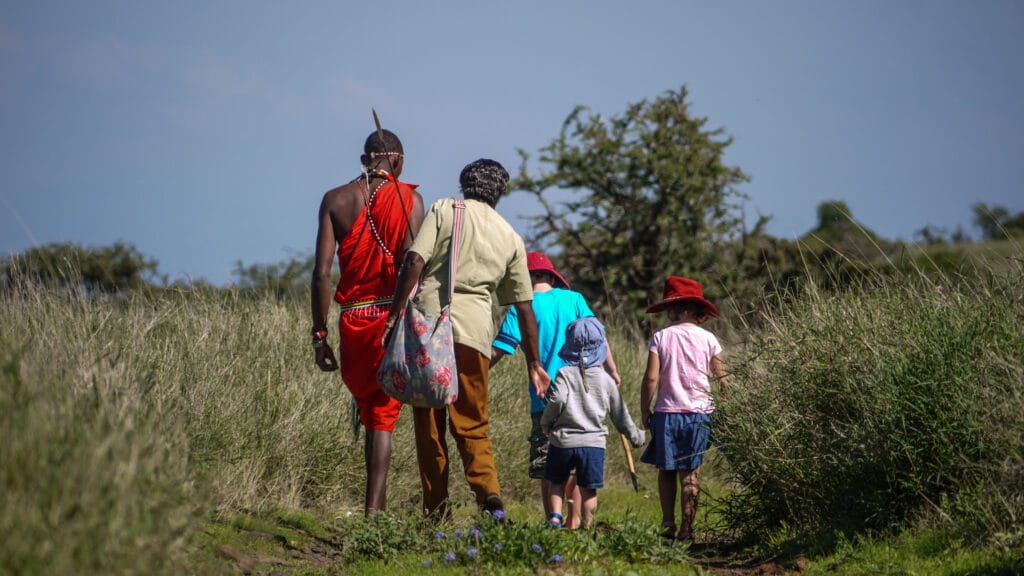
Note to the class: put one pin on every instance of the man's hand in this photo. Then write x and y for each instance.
(325, 358)
(645, 419)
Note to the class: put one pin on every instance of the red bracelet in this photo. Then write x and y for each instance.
(319, 335)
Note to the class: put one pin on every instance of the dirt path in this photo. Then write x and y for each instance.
(257, 552)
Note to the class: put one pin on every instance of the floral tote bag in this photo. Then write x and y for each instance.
(418, 367)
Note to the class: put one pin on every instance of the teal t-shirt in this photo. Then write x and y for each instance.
(555, 310)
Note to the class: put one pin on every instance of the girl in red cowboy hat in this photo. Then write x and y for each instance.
(680, 359)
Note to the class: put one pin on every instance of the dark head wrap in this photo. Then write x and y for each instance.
(484, 180)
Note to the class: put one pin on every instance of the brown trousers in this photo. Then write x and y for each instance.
(468, 418)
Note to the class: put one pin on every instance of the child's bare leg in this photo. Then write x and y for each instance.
(667, 496)
(545, 496)
(554, 503)
(588, 505)
(690, 480)
(575, 499)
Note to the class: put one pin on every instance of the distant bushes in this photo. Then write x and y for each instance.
(868, 407)
(117, 268)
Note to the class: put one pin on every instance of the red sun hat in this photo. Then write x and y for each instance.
(538, 262)
(679, 289)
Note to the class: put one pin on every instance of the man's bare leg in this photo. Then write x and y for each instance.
(378, 459)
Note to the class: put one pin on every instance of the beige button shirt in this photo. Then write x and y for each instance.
(492, 260)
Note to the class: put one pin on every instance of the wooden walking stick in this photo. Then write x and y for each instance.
(629, 460)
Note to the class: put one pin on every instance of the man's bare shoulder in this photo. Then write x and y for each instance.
(345, 190)
(343, 197)
(343, 204)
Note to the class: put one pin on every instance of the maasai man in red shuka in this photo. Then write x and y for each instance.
(371, 221)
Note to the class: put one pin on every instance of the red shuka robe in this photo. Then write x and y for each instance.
(369, 257)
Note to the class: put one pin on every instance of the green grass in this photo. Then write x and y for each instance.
(923, 552)
(864, 408)
(189, 432)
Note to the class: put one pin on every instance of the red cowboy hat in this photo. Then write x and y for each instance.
(679, 289)
(538, 262)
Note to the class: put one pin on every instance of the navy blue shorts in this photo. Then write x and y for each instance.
(588, 462)
(678, 441)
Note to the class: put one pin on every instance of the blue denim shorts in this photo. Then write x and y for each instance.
(588, 462)
(678, 441)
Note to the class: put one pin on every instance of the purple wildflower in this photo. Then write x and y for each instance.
(459, 533)
(450, 556)
(475, 533)
(441, 535)
(537, 548)
(499, 547)
(472, 552)
(499, 514)
(557, 559)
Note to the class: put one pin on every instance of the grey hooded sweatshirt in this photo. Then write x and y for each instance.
(575, 414)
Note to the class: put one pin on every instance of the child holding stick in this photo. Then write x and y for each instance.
(581, 398)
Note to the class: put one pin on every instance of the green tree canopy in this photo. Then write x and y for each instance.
(840, 235)
(108, 269)
(288, 278)
(996, 221)
(649, 195)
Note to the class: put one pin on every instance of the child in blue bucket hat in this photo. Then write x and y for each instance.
(581, 398)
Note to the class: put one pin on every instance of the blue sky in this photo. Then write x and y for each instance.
(206, 132)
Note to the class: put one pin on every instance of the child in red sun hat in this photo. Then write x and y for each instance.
(681, 357)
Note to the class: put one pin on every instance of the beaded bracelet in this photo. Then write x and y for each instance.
(319, 337)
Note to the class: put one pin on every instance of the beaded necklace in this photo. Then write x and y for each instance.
(369, 207)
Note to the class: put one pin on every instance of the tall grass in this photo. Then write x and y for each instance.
(93, 473)
(868, 407)
(125, 419)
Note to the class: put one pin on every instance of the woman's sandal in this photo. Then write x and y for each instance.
(668, 531)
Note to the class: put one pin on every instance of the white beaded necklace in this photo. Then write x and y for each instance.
(369, 219)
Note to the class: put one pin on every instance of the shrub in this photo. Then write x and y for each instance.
(865, 408)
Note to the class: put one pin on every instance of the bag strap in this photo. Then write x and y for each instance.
(456, 243)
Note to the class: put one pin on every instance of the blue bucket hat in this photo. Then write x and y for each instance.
(584, 343)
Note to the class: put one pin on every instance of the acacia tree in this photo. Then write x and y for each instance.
(118, 268)
(996, 221)
(648, 196)
(288, 278)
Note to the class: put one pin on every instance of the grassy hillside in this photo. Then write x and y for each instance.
(187, 432)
